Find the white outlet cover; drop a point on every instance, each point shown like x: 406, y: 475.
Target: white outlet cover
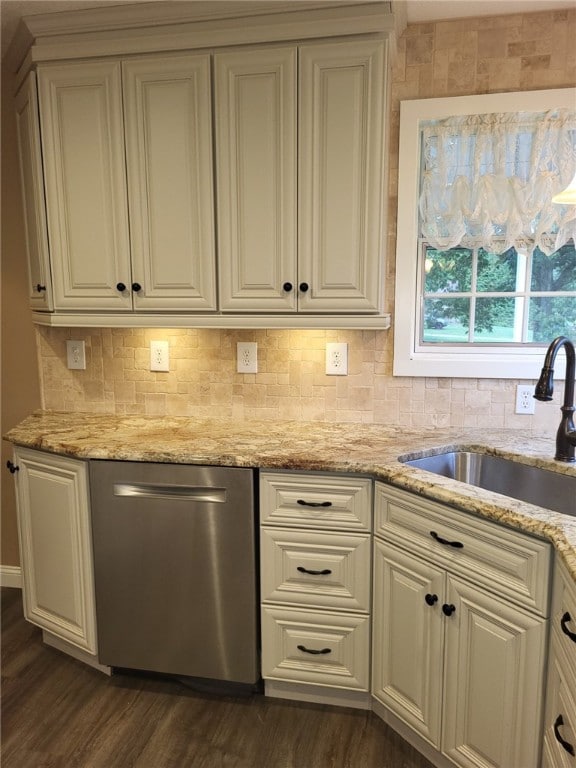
x: 336, y: 358
x: 525, y: 402
x: 159, y: 356
x: 76, y: 355
x: 247, y: 357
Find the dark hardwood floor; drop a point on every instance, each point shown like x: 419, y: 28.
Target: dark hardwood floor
x: 58, y: 713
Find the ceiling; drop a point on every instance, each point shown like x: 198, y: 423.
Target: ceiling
x: 11, y: 11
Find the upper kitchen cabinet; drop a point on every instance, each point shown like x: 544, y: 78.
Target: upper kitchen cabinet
x: 145, y: 242
x: 85, y: 181
x: 301, y: 230
x: 30, y: 157
x: 256, y: 178
x: 168, y: 113
x: 207, y: 164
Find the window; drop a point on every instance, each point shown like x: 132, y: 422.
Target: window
x: 486, y: 264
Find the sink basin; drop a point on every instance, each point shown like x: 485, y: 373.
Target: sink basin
x: 495, y: 473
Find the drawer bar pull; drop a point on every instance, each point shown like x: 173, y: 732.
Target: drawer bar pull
x: 563, y: 621
x: 445, y: 542
x: 325, y: 572
x: 304, y: 503
x: 312, y: 650
x: 566, y: 744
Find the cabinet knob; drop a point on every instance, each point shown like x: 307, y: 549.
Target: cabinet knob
x: 558, y: 723
x: 12, y: 467
x: 287, y: 287
x: 121, y: 287
x: 431, y: 599
x: 136, y: 287
x: 40, y: 288
x: 448, y: 610
x: 304, y: 287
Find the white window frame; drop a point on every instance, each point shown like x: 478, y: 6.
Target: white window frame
x: 518, y: 362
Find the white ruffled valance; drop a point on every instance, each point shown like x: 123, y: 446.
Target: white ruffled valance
x: 488, y: 181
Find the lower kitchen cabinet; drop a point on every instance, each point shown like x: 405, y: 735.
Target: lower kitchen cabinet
x: 55, y: 546
x: 560, y: 715
x: 456, y: 663
x: 315, y: 583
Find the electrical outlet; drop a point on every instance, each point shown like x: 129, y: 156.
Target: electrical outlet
x: 76, y: 355
x: 159, y: 356
x: 525, y: 403
x: 337, y: 359
x: 247, y: 357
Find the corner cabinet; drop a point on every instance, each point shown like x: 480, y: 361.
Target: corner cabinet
x: 460, y: 632
x: 52, y: 497
x: 299, y: 150
x: 140, y: 238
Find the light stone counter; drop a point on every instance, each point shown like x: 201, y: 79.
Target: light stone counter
x: 371, y: 449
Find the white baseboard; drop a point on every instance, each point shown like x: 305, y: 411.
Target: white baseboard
x: 10, y: 576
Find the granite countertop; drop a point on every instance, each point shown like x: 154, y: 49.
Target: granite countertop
x: 371, y: 449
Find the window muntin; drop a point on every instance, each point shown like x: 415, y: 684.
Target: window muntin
x: 479, y: 297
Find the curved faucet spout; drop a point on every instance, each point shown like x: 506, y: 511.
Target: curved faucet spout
x: 566, y: 435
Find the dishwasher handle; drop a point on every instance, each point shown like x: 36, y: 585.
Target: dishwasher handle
x: 169, y: 491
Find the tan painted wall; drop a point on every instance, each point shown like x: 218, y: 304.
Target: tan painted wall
x: 518, y: 52
x: 20, y: 387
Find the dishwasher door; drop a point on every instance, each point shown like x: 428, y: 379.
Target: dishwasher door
x: 175, y: 569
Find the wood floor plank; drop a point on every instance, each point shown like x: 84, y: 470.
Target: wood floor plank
x: 58, y: 713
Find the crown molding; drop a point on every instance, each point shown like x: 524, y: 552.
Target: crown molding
x: 172, y: 26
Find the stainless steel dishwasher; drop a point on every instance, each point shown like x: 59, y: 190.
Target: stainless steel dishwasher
x: 175, y: 569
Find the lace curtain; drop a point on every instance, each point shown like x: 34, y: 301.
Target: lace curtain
x: 488, y: 180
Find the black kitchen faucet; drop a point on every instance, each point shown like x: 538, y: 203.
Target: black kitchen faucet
x: 566, y: 435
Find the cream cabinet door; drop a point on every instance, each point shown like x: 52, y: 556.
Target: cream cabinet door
x: 32, y: 180
x: 407, y: 640
x: 169, y: 159
x: 55, y: 546
x: 85, y: 178
x: 256, y: 171
x: 494, y: 683
x: 341, y: 205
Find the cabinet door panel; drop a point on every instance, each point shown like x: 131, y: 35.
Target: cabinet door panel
x: 493, y: 681
x: 56, y: 550
x: 407, y: 639
x: 342, y: 98
x: 256, y: 167
x: 169, y: 158
x: 83, y: 150
x: 32, y: 179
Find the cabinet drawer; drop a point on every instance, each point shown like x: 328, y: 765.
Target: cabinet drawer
x: 512, y: 564
x: 316, y: 569
x: 305, y: 500
x: 316, y: 648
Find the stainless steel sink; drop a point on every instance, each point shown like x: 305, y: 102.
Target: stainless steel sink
x: 547, y: 489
